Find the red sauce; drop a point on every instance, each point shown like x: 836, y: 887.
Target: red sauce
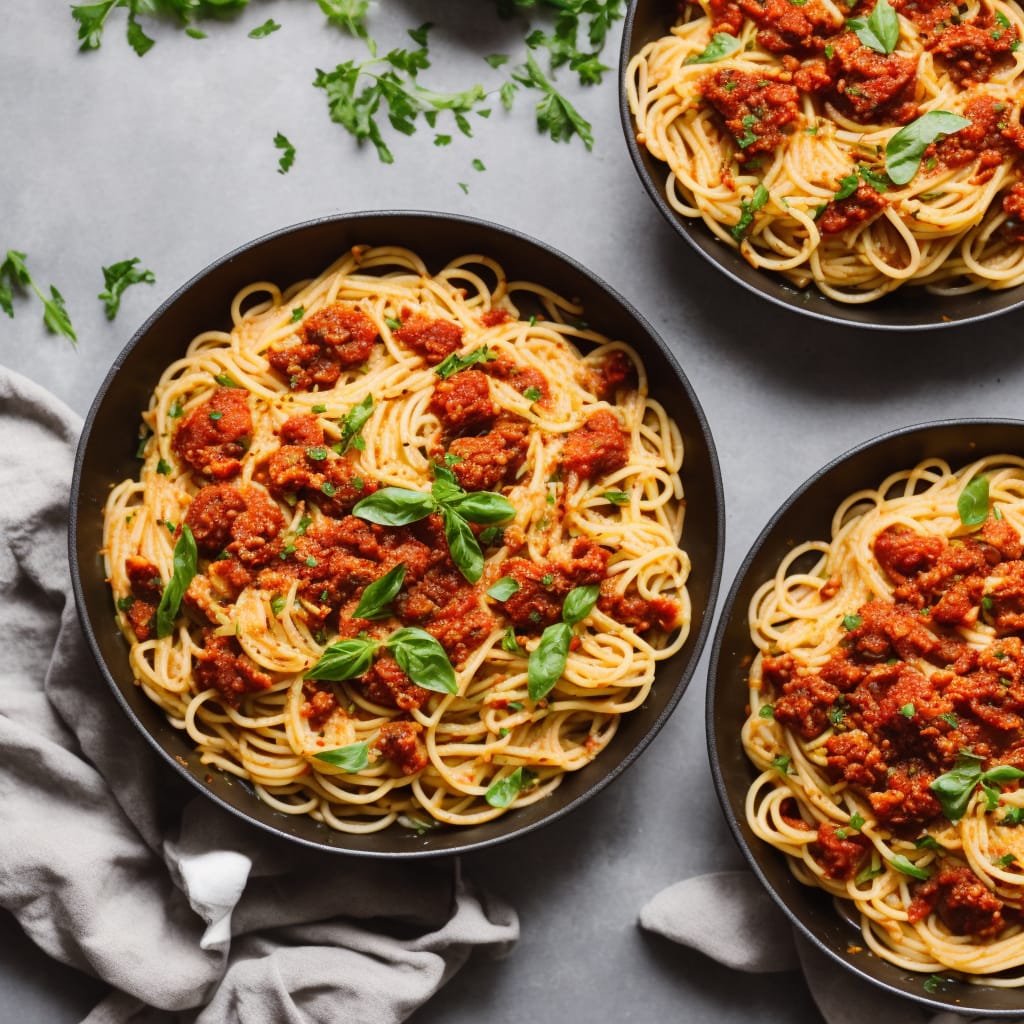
x: 488, y: 462
x: 221, y: 664
x: 839, y: 851
x: 463, y: 403
x: 522, y: 378
x: 318, y: 475
x: 872, y: 87
x: 962, y: 901
x: 992, y: 137
x: 387, y: 684
x: 241, y: 521
x: 214, y: 436
x: 786, y: 27
x: 596, y: 448
x: 400, y: 743
x: 839, y: 215
x: 616, y: 373
x: 338, y: 337
x: 431, y: 338
x: 146, y: 590
x: 755, y: 108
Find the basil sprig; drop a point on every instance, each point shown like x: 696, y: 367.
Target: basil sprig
x: 904, y: 150
x: 973, y: 502
x: 453, y: 363
x: 722, y: 45
x: 880, y: 31
x: 379, y: 594
x: 186, y: 565
x: 351, y: 758
x: 954, y: 789
x: 505, y: 790
x: 547, y: 659
x: 418, y: 654
x: 503, y: 589
x: 397, y: 506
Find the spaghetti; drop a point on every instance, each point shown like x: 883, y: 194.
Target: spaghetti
x: 886, y: 714
x: 397, y: 553
x: 857, y: 148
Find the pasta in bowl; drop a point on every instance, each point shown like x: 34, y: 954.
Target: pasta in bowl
x: 406, y: 544
x: 882, y: 813
x: 833, y: 158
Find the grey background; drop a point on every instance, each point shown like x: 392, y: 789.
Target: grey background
x: 106, y: 156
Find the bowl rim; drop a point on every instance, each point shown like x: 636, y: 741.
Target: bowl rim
x: 369, y: 217
x: 727, y: 613
x: 769, y: 286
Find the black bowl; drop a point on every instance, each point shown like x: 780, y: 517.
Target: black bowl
x: 906, y: 309
x: 807, y: 515
x: 106, y: 455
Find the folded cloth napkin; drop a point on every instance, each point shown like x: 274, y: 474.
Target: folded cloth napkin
x: 113, y: 865
x: 729, y: 917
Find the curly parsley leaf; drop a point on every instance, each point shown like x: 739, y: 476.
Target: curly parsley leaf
x: 116, y: 278
x: 287, y: 153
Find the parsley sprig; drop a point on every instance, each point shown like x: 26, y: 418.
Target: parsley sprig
x: 14, y: 274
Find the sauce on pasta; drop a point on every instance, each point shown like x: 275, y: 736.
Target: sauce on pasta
x: 857, y: 147
x: 887, y: 716
x: 396, y: 552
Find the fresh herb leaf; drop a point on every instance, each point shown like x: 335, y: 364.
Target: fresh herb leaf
x: 373, y: 604
x: 908, y: 867
x: 1013, y: 817
x: 936, y: 983
x: 555, y: 114
x: 972, y: 505
x: 510, y: 643
x: 747, y: 210
x: 955, y: 788
x: 781, y: 764
x: 908, y: 711
x: 532, y: 394
x: 277, y: 603
x: 483, y: 507
x: 116, y: 278
x: 14, y: 273
x: 352, y: 425
x: 856, y: 821
x: 496, y: 60
x: 880, y: 31
x: 344, y: 659
x: 503, y: 589
x: 847, y: 186
x: 851, y: 622
x: 505, y: 790
x: 767, y: 711
x: 395, y: 506
x: 284, y: 165
x: 928, y: 843
x: 547, y: 660
x: 262, y: 31
x: 904, y: 150
x: 351, y: 758
x: 616, y: 497
x: 186, y: 565
x: 722, y: 45
x: 950, y: 719
x: 422, y: 659
x: 462, y: 544
x: 579, y: 603
x: 453, y: 363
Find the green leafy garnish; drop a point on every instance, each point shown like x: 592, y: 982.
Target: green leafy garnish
x: 116, y: 278
x: 936, y: 983
x: 186, y: 565
x: 262, y: 31
x: 955, y: 788
x: 373, y: 604
x: 352, y: 425
x: 510, y: 643
x: 973, y: 502
x: 904, y: 150
x: 781, y: 764
x: 547, y: 660
x: 285, y: 163
x: 616, y: 497
x: 722, y: 45
x: 555, y: 114
x: 856, y: 821
x: 418, y: 654
x: 14, y: 273
x: 766, y: 711
x: 503, y: 589
x: 908, y: 867
x: 880, y: 31
x: 908, y: 711
x: 747, y: 210
x: 1013, y: 817
x: 453, y: 363
x: 852, y: 622
x: 351, y: 758
x: 505, y: 790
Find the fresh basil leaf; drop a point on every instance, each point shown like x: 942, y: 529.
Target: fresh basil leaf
x: 505, y: 790
x: 616, y: 497
x: 510, y: 643
x: 186, y: 565
x: 463, y: 545
x: 579, y: 603
x: 847, y: 186
x: 904, y: 150
x: 445, y: 487
x: 722, y: 45
x: 901, y: 863
x: 422, y: 659
x: 928, y: 843
x: 354, y: 423
x: 1013, y: 817
x: 953, y: 789
x: 747, y: 211
x: 880, y: 31
x: 879, y: 182
x: 373, y: 604
x: 1002, y: 773
x: 352, y: 758
x: 547, y: 660
x: 973, y: 502
x: 344, y: 659
x: 503, y: 589
x: 395, y: 506
x: 453, y: 363
x: 484, y: 507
